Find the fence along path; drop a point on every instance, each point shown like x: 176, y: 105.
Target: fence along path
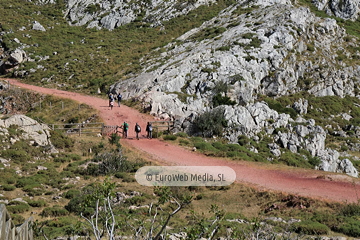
x: 8, y: 230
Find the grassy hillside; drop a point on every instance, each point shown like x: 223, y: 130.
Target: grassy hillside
x: 57, y: 195
x: 87, y: 59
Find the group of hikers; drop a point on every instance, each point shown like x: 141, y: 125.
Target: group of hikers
x: 149, y: 129
x: 112, y: 99
x: 125, y: 125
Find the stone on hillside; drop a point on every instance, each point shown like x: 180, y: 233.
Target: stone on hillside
x: 301, y: 106
x: 37, y: 26
x: 17, y: 57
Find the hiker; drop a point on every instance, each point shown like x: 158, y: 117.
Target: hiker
x: 119, y: 97
x: 111, y: 104
x: 137, y: 130
x: 111, y: 99
x: 149, y: 130
x: 126, y: 128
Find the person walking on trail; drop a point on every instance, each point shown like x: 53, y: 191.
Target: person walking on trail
x: 119, y: 97
x: 149, y: 130
x: 111, y: 104
x: 137, y: 130
x: 111, y: 100
x: 126, y: 128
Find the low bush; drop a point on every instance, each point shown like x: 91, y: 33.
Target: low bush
x: 351, y: 209
x: 170, y: 137
x: 137, y: 200
x: 184, y: 142
x: 38, y: 203
x: 54, y: 212
x: 220, y: 146
x: 61, y: 141
x: 181, y: 134
x: 126, y: 177
x: 7, y: 187
x: 350, y: 227
x: 71, y: 193
x: 210, y: 123
x: 196, y: 139
x: 17, y: 207
x: 204, y: 146
x: 311, y: 228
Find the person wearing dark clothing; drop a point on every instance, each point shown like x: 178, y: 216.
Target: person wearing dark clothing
x: 119, y: 97
x: 137, y: 130
x: 149, y: 130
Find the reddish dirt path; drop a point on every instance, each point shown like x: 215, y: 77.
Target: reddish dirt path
x: 304, y: 182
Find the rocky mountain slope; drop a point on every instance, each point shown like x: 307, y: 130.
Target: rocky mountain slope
x: 269, y: 50
x: 262, y: 64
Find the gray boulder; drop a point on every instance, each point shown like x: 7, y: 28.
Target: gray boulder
x: 38, y: 27
x: 39, y: 134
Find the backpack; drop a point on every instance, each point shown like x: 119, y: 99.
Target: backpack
x: 119, y: 97
x: 150, y: 128
x: 138, y: 129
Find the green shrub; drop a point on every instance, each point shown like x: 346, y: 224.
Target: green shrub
x: 220, y: 146
x: 181, y: 134
x: 61, y: 141
x: 126, y: 177
x: 236, y: 147
x: 137, y: 200
x: 204, y: 146
x: 311, y: 228
x: 210, y: 123
x: 71, y: 193
x: 350, y: 227
x: 196, y: 139
x: 16, y: 155
x: 17, y: 219
x: 7, y: 187
x: 243, y: 140
x: 114, y: 139
x: 219, y: 100
x: 111, y: 162
x: 351, y: 209
x: 17, y: 207
x: 184, y: 142
x: 223, y: 48
x: 54, y: 212
x: 38, y: 203
x: 170, y: 137
x: 157, y: 134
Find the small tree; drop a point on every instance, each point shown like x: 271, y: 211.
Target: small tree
x: 210, y: 122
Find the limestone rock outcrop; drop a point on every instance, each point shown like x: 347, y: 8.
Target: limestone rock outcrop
x: 38, y: 134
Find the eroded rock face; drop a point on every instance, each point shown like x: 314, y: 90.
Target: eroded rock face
x: 252, y: 55
x: 347, y: 9
x: 261, y: 58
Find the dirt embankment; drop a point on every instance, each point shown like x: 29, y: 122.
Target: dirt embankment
x: 303, y: 182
